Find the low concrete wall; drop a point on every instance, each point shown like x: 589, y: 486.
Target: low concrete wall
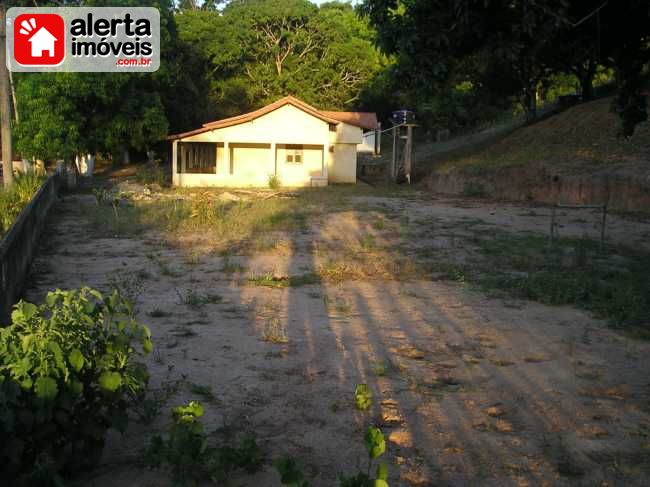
x: 19, y: 245
x: 619, y: 191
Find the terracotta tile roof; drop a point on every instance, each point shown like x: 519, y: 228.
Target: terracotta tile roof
x: 359, y: 119
x: 365, y: 120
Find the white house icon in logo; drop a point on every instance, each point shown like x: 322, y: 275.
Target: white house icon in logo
x: 41, y: 41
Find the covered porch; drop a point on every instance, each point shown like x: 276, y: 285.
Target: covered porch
x: 242, y: 164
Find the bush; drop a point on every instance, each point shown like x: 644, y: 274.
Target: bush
x: 150, y: 173
x: 68, y: 372
x: 191, y: 460
x: 274, y: 182
x: 13, y: 200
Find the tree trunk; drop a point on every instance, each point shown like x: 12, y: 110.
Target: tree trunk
x: 587, y: 88
x: 126, y: 159
x: 5, y: 106
x: 530, y: 102
x: 587, y: 82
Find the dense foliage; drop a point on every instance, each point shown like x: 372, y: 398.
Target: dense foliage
x: 69, y: 370
x: 14, y: 198
x: 457, y: 63
x: 511, y: 49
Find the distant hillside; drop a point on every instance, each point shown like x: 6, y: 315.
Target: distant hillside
x: 571, y: 157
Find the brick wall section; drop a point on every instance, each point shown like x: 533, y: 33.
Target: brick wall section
x: 18, y: 246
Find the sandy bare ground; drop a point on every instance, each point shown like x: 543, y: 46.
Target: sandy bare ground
x: 469, y: 389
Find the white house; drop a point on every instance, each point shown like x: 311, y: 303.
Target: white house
x: 42, y: 41
x: 289, y: 140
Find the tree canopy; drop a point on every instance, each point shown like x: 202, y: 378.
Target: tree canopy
x: 518, y: 45
x: 456, y: 62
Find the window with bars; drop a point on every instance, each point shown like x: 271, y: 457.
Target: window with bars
x: 294, y: 154
x: 198, y: 157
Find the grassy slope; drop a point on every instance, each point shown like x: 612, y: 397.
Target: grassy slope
x: 581, y: 139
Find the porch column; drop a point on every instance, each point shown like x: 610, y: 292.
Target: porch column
x: 175, y: 162
x: 216, y: 158
x: 226, y: 157
x: 326, y: 155
x: 273, y: 159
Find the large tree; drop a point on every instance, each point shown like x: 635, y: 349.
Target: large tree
x: 525, y: 40
x: 259, y: 50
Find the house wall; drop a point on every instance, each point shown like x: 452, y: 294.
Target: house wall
x: 343, y: 166
x: 252, y: 163
x: 287, y: 125
x: 299, y: 174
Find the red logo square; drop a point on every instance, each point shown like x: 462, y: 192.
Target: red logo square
x: 39, y: 39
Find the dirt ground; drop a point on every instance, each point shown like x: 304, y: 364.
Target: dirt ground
x: 469, y: 389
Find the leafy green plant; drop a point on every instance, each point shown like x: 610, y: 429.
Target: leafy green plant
x: 69, y: 371
x: 290, y: 473
x: 374, y: 441
x: 189, y: 457
x: 375, y: 446
x: 363, y: 397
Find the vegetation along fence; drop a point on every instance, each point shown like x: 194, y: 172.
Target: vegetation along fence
x: 18, y: 246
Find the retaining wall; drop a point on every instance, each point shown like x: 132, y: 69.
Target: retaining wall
x: 18, y: 246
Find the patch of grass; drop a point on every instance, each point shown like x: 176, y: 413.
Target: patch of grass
x: 158, y: 313
x: 380, y: 368
x: 194, y: 299
x: 274, y: 332
x: 129, y: 285
x: 202, y: 390
x: 270, y: 280
x: 13, y: 199
x: 231, y: 267
x: 612, y: 282
x: 379, y: 224
x: 367, y: 241
x: 150, y: 173
x: 500, y: 362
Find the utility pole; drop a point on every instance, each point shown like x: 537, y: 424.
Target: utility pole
x: 5, y: 104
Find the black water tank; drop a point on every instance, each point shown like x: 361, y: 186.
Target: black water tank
x: 403, y: 116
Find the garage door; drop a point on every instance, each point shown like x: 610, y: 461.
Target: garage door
x: 251, y: 162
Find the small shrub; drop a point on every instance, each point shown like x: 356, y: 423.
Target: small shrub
x: 274, y: 182
x: 374, y: 441
x: 129, y: 285
x: 158, y: 313
x: 202, y: 390
x: 290, y: 473
x: 379, y: 224
x: 193, y: 299
x: 150, y: 173
x: 13, y: 200
x: 102, y: 196
x: 270, y: 280
x: 69, y: 370
x: 188, y: 456
x: 367, y: 241
x: 231, y: 267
